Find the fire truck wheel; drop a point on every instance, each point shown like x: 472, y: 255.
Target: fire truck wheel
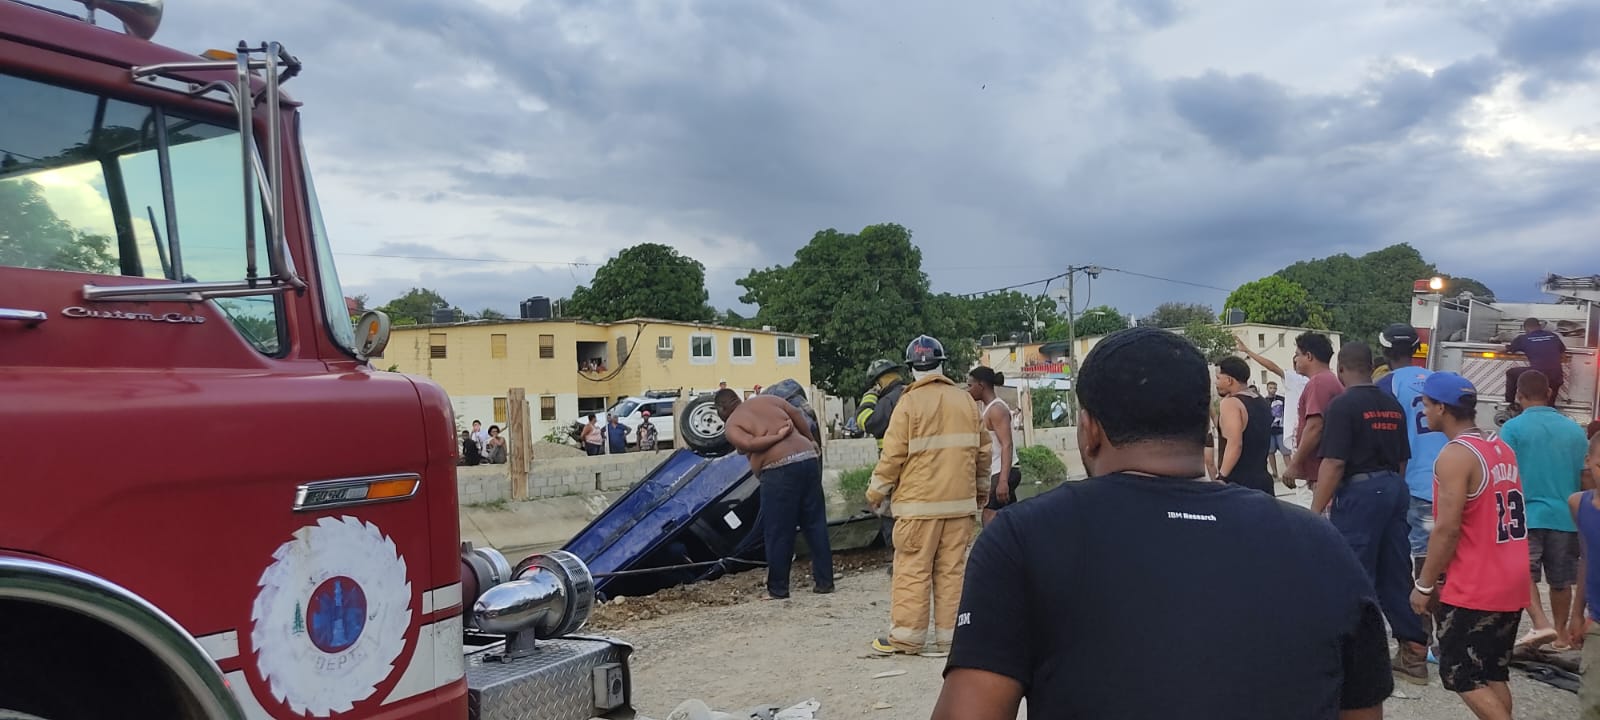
x: 701, y: 427
x: 41, y: 648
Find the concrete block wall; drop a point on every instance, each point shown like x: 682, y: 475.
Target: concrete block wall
x: 850, y: 454
x: 557, y: 477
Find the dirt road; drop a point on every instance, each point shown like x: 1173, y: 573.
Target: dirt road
x: 721, y: 644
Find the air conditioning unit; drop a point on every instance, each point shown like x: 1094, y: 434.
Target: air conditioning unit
x: 664, y: 346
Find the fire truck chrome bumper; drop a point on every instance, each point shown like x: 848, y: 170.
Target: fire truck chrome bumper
x: 569, y: 678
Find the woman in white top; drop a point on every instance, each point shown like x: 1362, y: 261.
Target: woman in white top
x: 1004, y: 475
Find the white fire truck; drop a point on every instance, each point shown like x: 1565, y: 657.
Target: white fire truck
x: 1465, y: 335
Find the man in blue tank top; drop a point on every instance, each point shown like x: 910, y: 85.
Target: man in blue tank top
x: 1585, y: 508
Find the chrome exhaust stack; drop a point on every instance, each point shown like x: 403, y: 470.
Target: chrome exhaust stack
x: 549, y: 596
x: 140, y: 18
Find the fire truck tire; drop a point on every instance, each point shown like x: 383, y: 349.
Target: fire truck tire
x: 49, y: 654
x: 701, y: 427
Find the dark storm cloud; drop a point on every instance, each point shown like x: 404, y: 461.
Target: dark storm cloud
x: 1555, y: 44
x: 1011, y: 140
x: 1253, y: 117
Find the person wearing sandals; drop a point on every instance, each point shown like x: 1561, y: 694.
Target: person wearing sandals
x: 1550, y: 451
x: 1004, y: 475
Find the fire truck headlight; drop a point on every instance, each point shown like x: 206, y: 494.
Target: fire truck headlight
x: 551, y: 595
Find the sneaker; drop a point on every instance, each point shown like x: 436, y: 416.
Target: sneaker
x: 823, y: 589
x: 1411, y: 663
x: 881, y: 646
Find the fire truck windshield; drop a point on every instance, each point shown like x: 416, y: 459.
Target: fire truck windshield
x: 81, y: 190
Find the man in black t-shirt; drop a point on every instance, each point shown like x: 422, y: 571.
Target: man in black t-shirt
x: 1255, y: 609
x: 1364, y: 454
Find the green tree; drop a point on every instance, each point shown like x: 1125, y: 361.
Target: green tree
x: 1363, y: 294
x: 32, y: 235
x: 1273, y: 300
x: 1214, y: 341
x: 1002, y: 313
x: 864, y: 296
x: 1098, y: 320
x: 415, y: 307
x: 490, y: 314
x: 1177, y: 315
x: 1454, y: 286
x: 648, y: 280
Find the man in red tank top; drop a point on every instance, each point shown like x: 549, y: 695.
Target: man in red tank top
x: 1473, y: 579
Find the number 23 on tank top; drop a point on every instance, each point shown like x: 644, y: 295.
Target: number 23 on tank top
x: 1510, y: 506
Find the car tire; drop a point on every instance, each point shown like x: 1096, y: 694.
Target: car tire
x: 701, y: 427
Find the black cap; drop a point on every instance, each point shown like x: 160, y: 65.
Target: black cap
x: 1398, y: 335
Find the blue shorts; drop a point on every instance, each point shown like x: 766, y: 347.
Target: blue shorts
x: 1419, y: 517
x: 1277, y: 448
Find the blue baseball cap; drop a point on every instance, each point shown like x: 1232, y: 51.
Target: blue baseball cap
x: 1448, y: 388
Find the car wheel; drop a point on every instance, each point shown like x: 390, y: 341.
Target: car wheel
x: 701, y: 427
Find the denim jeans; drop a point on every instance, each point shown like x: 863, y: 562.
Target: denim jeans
x: 1370, y: 510
x: 1419, y: 520
x: 791, y: 497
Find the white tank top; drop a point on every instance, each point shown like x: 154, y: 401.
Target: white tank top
x: 994, y: 442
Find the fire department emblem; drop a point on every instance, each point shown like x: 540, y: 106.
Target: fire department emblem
x: 331, y: 616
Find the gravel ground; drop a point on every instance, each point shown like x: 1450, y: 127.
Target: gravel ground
x: 720, y: 643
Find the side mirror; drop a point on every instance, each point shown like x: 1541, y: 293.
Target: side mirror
x: 372, y: 333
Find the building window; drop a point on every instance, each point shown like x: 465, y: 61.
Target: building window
x: 788, y: 349
x: 1261, y: 340
x: 547, y: 407
x: 664, y: 342
x: 547, y: 347
x: 436, y: 345
x: 1280, y: 339
x: 497, y: 345
x: 702, y: 349
x: 500, y: 410
x: 744, y: 349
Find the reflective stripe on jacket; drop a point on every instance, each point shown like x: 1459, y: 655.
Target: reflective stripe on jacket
x: 935, y: 459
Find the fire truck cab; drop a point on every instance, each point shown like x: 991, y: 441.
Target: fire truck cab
x: 211, y: 505
x: 1468, y: 336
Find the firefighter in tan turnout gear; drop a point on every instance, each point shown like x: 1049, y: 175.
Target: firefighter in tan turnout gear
x: 935, y: 462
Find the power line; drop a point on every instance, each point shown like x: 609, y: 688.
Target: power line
x: 1165, y: 279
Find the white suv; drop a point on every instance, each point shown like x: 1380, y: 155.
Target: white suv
x: 630, y: 413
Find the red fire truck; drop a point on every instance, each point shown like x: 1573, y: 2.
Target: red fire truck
x: 211, y: 505
x: 1463, y: 334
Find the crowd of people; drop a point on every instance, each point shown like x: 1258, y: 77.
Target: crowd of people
x: 1423, y: 527
x: 480, y: 447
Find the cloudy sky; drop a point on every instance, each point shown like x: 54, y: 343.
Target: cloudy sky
x: 497, y: 149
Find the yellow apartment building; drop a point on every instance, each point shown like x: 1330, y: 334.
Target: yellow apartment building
x: 570, y: 368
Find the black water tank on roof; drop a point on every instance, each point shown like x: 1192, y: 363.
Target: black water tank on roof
x: 536, y: 308
x: 443, y: 315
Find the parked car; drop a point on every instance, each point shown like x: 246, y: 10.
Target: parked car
x: 630, y: 412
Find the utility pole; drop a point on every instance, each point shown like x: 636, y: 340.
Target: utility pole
x: 1092, y: 271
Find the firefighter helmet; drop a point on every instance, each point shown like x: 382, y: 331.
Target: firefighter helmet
x: 879, y: 368
x: 924, y: 353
